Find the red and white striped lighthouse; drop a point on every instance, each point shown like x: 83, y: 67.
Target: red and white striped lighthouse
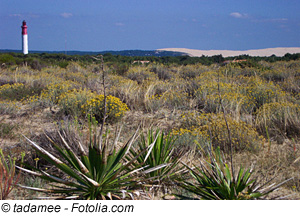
x: 24, y: 38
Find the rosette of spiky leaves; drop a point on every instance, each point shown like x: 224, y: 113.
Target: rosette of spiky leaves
x: 99, y: 173
x: 214, y: 181
x: 158, y: 150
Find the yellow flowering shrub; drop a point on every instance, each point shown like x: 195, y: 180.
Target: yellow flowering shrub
x: 10, y: 91
x: 212, y: 128
x: 279, y: 119
x: 30, y: 77
x: 83, y: 102
x: 50, y: 95
x: 17, y: 91
x: 72, y: 101
x: 259, y: 92
x: 208, y: 96
x: 239, y: 94
x: 291, y: 85
x: 279, y: 71
x: 115, y: 108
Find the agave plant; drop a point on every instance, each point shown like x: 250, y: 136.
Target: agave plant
x: 158, y: 151
x: 214, y: 180
x: 99, y: 173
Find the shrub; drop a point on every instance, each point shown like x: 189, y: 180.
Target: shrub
x: 84, y: 102
x: 212, y: 128
x: 165, y: 95
x: 115, y: 109
x: 140, y: 74
x: 120, y: 68
x: 36, y: 64
x: 76, y: 77
x: 72, y: 102
x: 7, y: 59
x: 192, y: 71
x: 128, y: 91
x: 162, y: 72
x: 8, y: 107
x: 50, y: 95
x: 291, y: 85
x: 281, y: 119
x: 74, y: 67
x: 259, y: 92
x: 17, y: 91
x: 275, y: 75
x: 63, y: 64
x: 208, y: 98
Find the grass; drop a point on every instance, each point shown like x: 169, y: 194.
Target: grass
x: 282, y: 119
x: 7, y: 130
x: 8, y: 176
x: 181, y: 100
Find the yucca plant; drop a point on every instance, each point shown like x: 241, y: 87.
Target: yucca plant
x: 99, y: 173
x: 214, y: 180
x: 158, y: 151
x: 8, y: 177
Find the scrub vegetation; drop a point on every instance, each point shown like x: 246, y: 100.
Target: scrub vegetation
x: 174, y: 128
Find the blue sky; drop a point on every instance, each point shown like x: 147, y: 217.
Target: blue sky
x: 97, y: 25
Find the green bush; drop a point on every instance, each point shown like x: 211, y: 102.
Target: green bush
x: 63, y: 64
x: 7, y: 59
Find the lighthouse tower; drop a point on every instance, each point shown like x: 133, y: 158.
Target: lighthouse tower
x: 24, y: 38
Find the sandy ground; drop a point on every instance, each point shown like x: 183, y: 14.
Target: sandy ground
x: 280, y: 51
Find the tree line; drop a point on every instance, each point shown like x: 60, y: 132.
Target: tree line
x: 40, y: 60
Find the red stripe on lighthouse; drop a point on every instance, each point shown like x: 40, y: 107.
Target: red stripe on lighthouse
x: 24, y: 28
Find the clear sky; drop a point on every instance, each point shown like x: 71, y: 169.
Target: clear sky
x: 97, y: 25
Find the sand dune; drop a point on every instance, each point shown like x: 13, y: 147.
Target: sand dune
x: 280, y: 51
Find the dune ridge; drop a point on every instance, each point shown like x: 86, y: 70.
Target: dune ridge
x: 279, y: 51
